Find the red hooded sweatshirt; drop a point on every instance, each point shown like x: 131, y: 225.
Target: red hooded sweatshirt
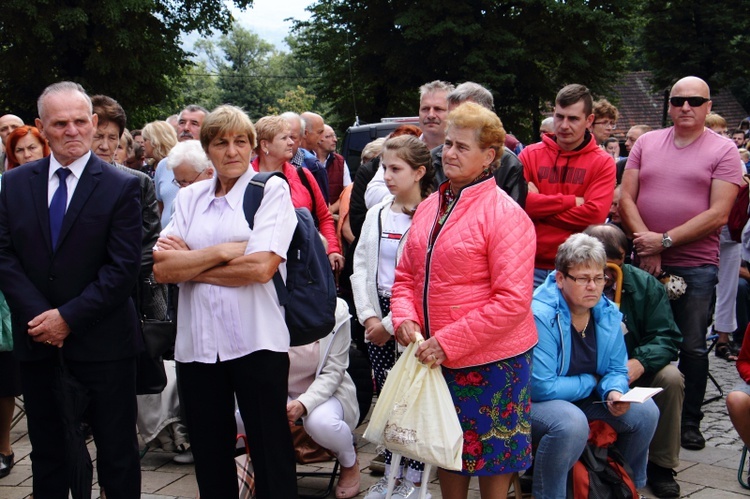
x: 561, y: 176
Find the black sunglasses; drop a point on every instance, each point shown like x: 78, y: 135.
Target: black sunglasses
x: 692, y: 101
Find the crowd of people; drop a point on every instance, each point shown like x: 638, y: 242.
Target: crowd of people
x: 546, y: 280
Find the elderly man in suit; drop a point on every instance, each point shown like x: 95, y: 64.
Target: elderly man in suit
x: 70, y: 234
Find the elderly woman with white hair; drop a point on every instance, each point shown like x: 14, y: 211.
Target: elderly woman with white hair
x: 189, y: 163
x: 580, y: 370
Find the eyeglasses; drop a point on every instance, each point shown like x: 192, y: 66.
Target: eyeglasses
x: 185, y: 183
x: 694, y: 101
x: 606, y: 124
x: 599, y: 280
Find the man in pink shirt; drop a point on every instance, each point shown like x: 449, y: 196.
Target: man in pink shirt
x: 677, y: 189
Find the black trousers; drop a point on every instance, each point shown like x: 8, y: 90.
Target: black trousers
x: 259, y: 381
x: 111, y: 414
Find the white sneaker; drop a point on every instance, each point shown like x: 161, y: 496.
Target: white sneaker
x: 407, y: 489
x: 378, y: 491
x: 185, y: 457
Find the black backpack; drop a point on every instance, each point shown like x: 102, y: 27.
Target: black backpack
x: 309, y: 295
x: 601, y: 472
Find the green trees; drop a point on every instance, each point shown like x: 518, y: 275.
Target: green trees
x: 128, y: 49
x: 375, y: 53
x: 692, y: 37
x: 254, y: 75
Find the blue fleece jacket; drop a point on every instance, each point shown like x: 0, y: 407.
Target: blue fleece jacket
x: 552, y: 354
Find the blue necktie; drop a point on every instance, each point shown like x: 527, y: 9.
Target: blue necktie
x: 58, y: 205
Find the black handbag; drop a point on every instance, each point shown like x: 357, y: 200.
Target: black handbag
x: 158, y: 339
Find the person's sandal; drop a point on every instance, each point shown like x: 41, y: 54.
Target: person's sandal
x: 724, y: 352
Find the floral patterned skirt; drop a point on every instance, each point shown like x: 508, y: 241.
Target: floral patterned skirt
x: 493, y: 402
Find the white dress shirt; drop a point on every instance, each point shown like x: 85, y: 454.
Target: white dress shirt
x: 222, y: 322
x: 76, y: 169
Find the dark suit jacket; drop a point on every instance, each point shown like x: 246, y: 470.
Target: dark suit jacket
x: 89, y: 277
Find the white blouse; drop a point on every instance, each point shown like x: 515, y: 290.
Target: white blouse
x: 221, y: 322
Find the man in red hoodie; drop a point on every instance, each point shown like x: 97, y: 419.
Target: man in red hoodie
x: 571, y: 179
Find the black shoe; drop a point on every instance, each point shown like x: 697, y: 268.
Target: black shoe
x: 692, y: 438
x: 6, y: 463
x: 661, y: 480
x: 724, y: 351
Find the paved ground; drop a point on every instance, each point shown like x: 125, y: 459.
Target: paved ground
x: 707, y: 474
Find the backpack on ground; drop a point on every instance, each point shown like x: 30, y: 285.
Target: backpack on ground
x: 601, y: 472
x: 309, y: 295
x: 738, y: 215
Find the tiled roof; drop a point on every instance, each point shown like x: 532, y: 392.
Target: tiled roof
x: 638, y: 104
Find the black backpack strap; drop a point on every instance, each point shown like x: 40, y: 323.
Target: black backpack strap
x: 250, y: 204
x: 306, y: 183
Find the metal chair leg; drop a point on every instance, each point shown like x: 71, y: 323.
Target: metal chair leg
x: 329, y: 488
x: 19, y: 413
x: 713, y: 338
x: 741, y: 470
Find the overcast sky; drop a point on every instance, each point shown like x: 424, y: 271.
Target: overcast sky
x: 266, y: 18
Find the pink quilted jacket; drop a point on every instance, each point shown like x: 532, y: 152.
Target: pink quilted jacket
x: 473, y: 290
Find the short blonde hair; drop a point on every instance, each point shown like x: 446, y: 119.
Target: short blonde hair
x: 162, y: 137
x: 714, y: 120
x: 486, y: 125
x: 269, y: 127
x: 372, y: 149
x: 223, y: 120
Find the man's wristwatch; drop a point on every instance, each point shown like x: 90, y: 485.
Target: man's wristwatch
x: 666, y: 241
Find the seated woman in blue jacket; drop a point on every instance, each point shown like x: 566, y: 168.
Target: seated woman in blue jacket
x: 581, y: 359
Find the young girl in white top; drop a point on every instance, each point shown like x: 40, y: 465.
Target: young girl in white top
x: 409, y: 176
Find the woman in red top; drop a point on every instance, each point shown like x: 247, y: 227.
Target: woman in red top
x: 738, y: 400
x: 274, y: 150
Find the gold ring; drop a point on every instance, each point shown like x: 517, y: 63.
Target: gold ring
x: 48, y: 342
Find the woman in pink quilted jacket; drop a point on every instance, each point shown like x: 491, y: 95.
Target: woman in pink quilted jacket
x: 465, y: 282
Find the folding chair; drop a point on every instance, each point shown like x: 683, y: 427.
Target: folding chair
x: 741, y: 470
x: 713, y: 338
x: 18, y: 413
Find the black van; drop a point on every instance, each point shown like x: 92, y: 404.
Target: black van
x: 357, y: 137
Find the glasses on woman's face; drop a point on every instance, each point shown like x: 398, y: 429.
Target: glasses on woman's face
x: 185, y: 183
x: 598, y: 280
x: 607, y: 124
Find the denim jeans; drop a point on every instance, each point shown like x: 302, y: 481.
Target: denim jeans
x: 560, y: 429
x: 691, y: 313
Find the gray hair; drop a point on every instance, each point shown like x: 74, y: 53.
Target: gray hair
x: 474, y: 92
x: 580, y: 249
x: 289, y: 115
x: 190, y: 152
x: 192, y: 108
x: 612, y: 237
x: 547, y: 124
x: 61, y: 87
x: 435, y: 86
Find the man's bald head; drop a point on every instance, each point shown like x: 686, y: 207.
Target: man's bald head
x: 689, y: 118
x: 8, y: 123
x: 692, y: 82
x: 313, y: 130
